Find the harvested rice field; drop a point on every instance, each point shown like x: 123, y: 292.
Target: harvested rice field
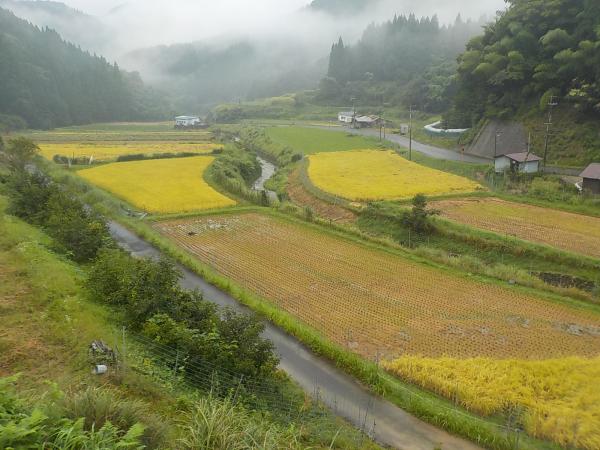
x: 377, y: 302
x: 564, y: 230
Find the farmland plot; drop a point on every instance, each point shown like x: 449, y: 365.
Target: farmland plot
x: 375, y: 302
x: 160, y: 185
x: 315, y: 140
x: 102, y: 151
x: 363, y: 175
x: 560, y: 399
x: 567, y: 231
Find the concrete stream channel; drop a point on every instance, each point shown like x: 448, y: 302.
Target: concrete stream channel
x: 380, y: 419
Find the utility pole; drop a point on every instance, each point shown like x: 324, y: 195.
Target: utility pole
x: 353, y: 112
x: 497, y: 134
x: 410, y: 133
x: 551, y: 104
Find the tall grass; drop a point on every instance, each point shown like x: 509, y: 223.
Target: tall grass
x: 220, y: 424
x: 98, y: 406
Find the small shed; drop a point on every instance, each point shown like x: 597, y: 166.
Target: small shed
x: 367, y: 121
x: 591, y: 179
x: 523, y: 162
x: 346, y: 117
x: 186, y: 121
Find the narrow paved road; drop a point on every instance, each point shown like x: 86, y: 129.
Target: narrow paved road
x: 388, y: 424
x: 429, y: 150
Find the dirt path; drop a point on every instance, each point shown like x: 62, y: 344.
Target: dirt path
x: 300, y: 196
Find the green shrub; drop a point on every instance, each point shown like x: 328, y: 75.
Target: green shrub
x: 149, y: 295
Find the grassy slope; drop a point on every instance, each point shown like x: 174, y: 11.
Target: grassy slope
x: 574, y: 141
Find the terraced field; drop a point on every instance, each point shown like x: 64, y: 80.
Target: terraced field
x: 364, y: 175
x: 557, y: 397
x: 101, y: 151
x: 566, y: 231
x: 375, y: 302
x: 160, y: 185
x: 302, y: 197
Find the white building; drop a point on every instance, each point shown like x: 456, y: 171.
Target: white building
x: 523, y: 162
x: 346, y: 117
x: 187, y: 121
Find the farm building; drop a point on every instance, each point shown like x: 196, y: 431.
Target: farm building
x: 591, y: 179
x: 188, y: 122
x: 523, y: 162
x: 346, y: 117
x: 356, y: 121
x: 366, y: 121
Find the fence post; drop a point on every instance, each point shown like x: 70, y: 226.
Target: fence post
x: 124, y: 350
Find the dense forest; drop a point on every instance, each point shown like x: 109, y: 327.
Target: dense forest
x: 404, y: 61
x: 535, y: 50
x: 47, y: 82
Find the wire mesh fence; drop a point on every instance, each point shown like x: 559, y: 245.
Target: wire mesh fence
x: 285, y: 405
x: 311, y: 409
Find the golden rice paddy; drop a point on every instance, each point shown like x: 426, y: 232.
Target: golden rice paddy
x: 554, y: 399
x: 102, y: 151
x: 363, y: 175
x: 160, y: 185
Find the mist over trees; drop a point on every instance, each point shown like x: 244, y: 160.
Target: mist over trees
x: 47, y: 82
x: 403, y: 61
x: 537, y: 49
x: 197, y: 75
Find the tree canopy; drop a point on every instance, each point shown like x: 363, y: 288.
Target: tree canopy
x: 49, y: 82
x: 405, y: 61
x: 535, y: 50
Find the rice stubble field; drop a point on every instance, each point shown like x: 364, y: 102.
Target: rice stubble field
x: 432, y: 327
x: 564, y: 230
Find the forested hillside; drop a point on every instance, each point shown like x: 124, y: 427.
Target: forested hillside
x: 47, y: 82
x: 404, y: 61
x: 73, y: 25
x: 537, y: 49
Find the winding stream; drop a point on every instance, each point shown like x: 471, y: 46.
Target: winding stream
x: 267, y: 171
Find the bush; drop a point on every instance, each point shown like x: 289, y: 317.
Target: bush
x: 78, y: 231
x: 148, y: 293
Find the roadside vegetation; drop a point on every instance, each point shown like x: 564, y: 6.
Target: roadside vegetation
x: 148, y: 398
